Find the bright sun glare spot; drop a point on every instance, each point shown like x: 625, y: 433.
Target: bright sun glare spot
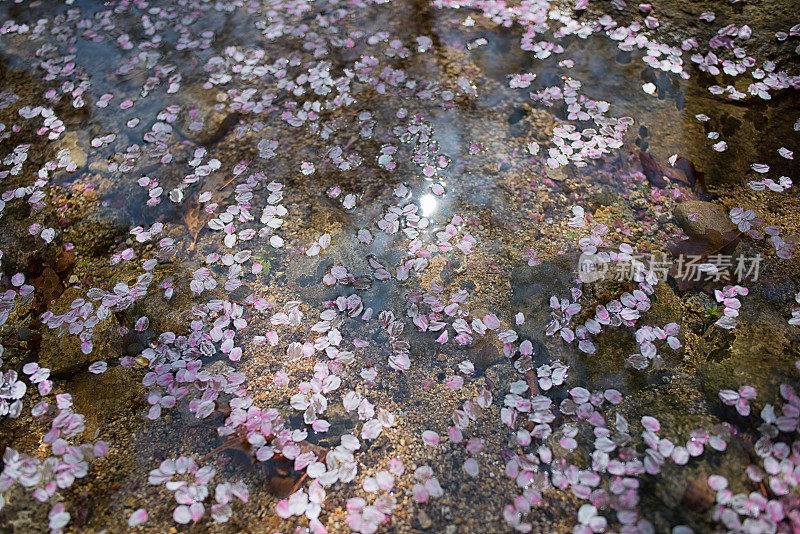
x: 427, y: 204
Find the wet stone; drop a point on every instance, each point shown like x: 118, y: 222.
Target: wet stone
x: 20, y: 248
x: 100, y: 229
x: 63, y: 353
x: 666, y: 307
x: 759, y: 352
x: 134, y: 349
x: 26, y: 334
x: 696, y: 217
x: 424, y: 520
x: 73, y: 142
x: 214, y: 119
x: 104, y: 397
x: 164, y: 315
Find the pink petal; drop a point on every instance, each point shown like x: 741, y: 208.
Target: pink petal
x: 137, y: 518
x: 717, y: 483
x: 651, y: 423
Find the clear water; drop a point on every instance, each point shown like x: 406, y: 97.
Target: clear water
x: 429, y: 193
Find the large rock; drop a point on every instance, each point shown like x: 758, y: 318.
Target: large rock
x: 99, y: 229
x: 217, y: 118
x: 92, y: 398
x: 72, y: 142
x: 173, y: 315
x: 761, y: 351
x: 20, y: 249
x: 63, y: 353
x: 697, y: 217
x: 753, y: 129
x: 666, y: 306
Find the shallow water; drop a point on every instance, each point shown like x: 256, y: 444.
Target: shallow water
x: 372, y: 313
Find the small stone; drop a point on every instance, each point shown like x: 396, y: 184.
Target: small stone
x: 424, y: 520
x: 697, y: 217
x: 25, y: 333
x: 70, y: 141
x: 557, y: 175
x: 698, y: 496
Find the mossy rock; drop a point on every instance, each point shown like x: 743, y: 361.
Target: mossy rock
x: 105, y: 397
x: 750, y: 128
x: 666, y: 306
x: 173, y: 315
x: 99, y: 229
x: 63, y: 354
x: 761, y: 351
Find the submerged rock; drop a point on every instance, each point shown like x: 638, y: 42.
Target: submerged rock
x: 72, y: 142
x: 697, y: 217
x: 666, y: 306
x: 761, y: 352
x: 486, y: 352
x: 749, y: 130
x: 92, y: 398
x: 210, y: 119
x: 63, y: 353
x: 99, y: 229
x: 164, y: 315
x: 21, y: 249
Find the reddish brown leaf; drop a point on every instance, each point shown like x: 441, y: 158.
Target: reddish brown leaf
x: 700, y: 248
x: 65, y: 259
x: 683, y: 172
x: 194, y: 220
x: 652, y: 170
x: 48, y: 287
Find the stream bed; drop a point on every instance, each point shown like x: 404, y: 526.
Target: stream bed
x: 459, y: 266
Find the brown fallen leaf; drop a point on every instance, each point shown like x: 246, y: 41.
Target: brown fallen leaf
x: 194, y: 216
x: 652, y: 170
x: 65, y: 259
x: 194, y: 219
x: 683, y: 172
x: 531, y: 380
x: 700, y: 248
x: 282, y: 478
x: 483, y: 355
x: 48, y: 287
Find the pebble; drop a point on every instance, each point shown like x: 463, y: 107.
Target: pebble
x: 25, y: 333
x: 424, y: 520
x: 706, y: 215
